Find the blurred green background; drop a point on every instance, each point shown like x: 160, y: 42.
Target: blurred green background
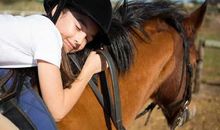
x: 22, y: 5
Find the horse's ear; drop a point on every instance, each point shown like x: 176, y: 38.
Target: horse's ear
x: 193, y: 22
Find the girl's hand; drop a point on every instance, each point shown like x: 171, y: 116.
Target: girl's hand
x: 95, y: 63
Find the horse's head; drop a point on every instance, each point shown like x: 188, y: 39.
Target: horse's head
x: 126, y: 22
x: 175, y: 108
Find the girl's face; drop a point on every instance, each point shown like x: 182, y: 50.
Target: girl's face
x: 76, y: 30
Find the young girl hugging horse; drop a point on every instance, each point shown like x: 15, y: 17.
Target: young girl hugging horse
x: 44, y: 42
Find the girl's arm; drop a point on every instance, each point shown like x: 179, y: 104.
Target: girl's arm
x: 60, y: 101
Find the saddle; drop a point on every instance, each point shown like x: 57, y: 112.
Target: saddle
x: 20, y: 103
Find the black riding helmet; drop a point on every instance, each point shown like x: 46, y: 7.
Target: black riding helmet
x: 100, y: 11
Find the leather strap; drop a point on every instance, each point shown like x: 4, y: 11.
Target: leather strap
x: 91, y: 82
x: 115, y: 107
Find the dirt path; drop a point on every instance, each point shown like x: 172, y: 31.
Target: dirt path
x: 206, y: 105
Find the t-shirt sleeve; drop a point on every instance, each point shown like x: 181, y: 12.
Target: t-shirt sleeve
x: 47, y: 42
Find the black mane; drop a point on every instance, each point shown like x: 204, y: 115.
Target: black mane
x: 131, y: 15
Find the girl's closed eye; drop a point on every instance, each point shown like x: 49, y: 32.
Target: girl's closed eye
x: 78, y: 26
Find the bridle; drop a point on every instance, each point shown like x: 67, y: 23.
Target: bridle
x: 183, y: 114
x: 187, y: 70
x: 110, y: 102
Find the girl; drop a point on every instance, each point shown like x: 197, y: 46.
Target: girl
x: 45, y: 41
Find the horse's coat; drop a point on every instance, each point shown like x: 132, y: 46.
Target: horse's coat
x: 156, y: 64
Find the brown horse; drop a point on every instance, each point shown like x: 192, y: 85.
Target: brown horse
x: 152, y: 46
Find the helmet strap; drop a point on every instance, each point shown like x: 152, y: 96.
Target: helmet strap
x: 58, y: 11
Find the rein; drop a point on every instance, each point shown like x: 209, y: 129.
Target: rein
x: 111, y: 105
x: 183, y: 113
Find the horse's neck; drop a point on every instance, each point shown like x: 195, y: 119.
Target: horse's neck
x: 152, y: 65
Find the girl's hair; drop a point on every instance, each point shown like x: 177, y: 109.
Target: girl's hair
x: 67, y: 73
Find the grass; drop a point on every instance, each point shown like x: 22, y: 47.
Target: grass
x: 211, y: 30
x: 211, y: 71
x: 21, y: 5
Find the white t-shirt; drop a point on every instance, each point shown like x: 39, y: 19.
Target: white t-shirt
x: 24, y: 40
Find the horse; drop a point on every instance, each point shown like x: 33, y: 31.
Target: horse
x: 152, y: 45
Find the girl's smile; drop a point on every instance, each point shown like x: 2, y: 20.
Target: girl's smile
x: 76, y: 30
